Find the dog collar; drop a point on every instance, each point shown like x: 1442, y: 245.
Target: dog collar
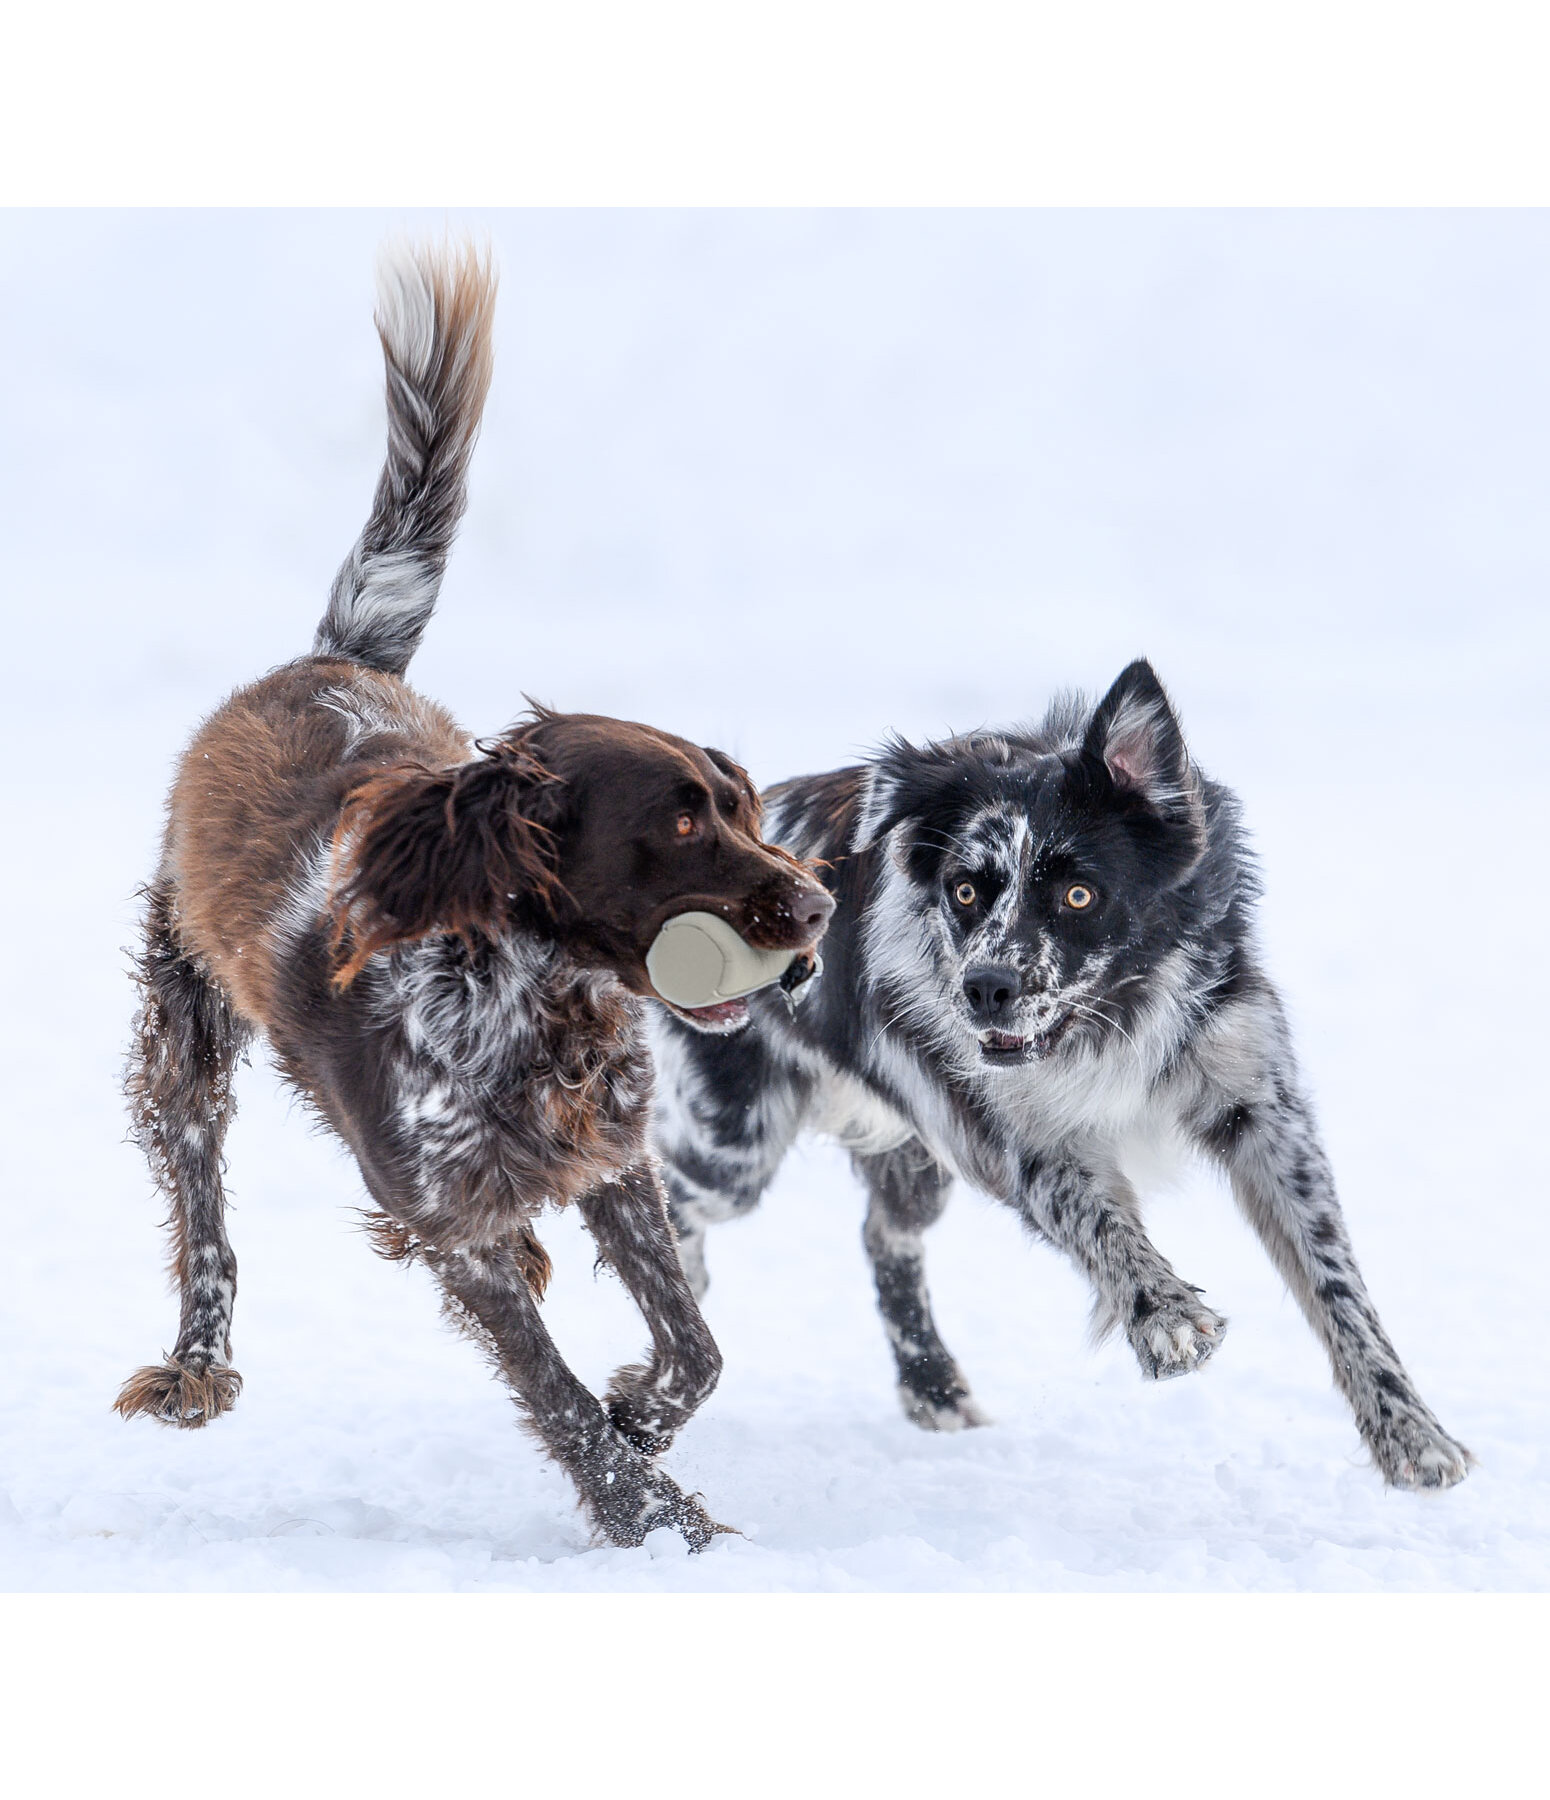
x: 698, y: 960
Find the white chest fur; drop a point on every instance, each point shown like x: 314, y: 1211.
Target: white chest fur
x: 853, y: 1116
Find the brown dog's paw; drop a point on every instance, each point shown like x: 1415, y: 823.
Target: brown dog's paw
x: 629, y: 1497
x: 183, y: 1394
x: 648, y: 1406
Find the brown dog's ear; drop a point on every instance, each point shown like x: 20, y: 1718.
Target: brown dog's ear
x: 740, y: 775
x: 460, y: 850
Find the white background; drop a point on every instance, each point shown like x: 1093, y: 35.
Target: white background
x: 783, y: 482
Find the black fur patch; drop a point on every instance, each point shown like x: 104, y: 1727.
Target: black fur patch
x: 1043, y: 944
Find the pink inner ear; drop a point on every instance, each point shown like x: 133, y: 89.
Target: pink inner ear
x: 1129, y: 763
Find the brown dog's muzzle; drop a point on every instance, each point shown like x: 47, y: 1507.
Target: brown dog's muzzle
x: 784, y: 914
x: 785, y: 909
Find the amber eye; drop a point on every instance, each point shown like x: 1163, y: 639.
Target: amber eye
x: 685, y: 824
x: 964, y: 893
x: 1079, y: 898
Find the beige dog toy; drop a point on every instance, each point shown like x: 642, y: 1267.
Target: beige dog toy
x: 699, y: 960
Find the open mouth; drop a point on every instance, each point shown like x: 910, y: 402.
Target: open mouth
x: 1006, y: 1047
x: 705, y: 969
x: 725, y: 1015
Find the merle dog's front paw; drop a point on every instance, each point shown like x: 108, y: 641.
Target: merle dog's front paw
x: 1413, y: 1451
x: 1172, y: 1334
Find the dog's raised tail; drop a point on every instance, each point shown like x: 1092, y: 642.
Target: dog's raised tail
x: 435, y: 310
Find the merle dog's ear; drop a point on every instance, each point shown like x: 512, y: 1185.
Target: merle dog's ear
x: 463, y: 850
x: 882, y: 801
x: 1135, y: 735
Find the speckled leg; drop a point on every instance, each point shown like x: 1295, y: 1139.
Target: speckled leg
x: 622, y: 1490
x: 1090, y: 1212
x: 906, y: 1192
x: 186, y: 1048
x: 650, y: 1402
x: 1281, y: 1178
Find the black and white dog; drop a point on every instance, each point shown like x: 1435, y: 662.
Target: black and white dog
x: 1044, y: 948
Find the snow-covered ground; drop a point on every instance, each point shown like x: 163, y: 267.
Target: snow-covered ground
x: 782, y: 483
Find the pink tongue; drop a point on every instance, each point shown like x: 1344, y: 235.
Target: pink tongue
x: 724, y: 1009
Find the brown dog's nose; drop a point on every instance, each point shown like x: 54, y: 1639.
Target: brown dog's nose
x: 811, y: 908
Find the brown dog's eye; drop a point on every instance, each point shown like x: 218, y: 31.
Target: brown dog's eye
x: 685, y: 824
x: 964, y: 893
x: 1079, y: 898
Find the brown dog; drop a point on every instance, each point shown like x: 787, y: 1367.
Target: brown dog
x: 444, y: 943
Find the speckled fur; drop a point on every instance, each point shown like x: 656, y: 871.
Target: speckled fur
x: 443, y: 943
x: 1026, y: 1045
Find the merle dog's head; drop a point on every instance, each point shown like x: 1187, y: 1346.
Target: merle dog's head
x: 591, y: 831
x: 1046, y: 873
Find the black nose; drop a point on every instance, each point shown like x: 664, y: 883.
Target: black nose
x: 991, y: 991
x: 811, y: 908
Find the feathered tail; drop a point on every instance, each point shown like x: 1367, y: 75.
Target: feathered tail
x: 435, y: 308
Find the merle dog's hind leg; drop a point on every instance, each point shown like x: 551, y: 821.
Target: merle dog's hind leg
x: 726, y: 1114
x: 187, y: 1042
x: 623, y: 1491
x: 1282, y: 1182
x: 688, y: 1220
x: 628, y: 1221
x: 906, y: 1191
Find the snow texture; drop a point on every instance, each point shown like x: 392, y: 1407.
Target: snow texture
x: 783, y: 482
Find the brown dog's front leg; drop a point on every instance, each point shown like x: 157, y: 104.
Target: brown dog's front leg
x: 625, y: 1493
x: 650, y: 1402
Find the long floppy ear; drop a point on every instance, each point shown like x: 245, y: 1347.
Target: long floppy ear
x: 1135, y: 735
x: 463, y: 850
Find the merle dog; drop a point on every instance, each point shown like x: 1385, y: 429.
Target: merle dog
x: 1044, y: 946
x: 444, y: 944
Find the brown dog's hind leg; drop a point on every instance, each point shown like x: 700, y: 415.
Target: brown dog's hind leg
x: 180, y: 1392
x: 186, y: 1047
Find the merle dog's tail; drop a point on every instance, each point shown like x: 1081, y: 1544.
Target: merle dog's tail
x: 435, y: 309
